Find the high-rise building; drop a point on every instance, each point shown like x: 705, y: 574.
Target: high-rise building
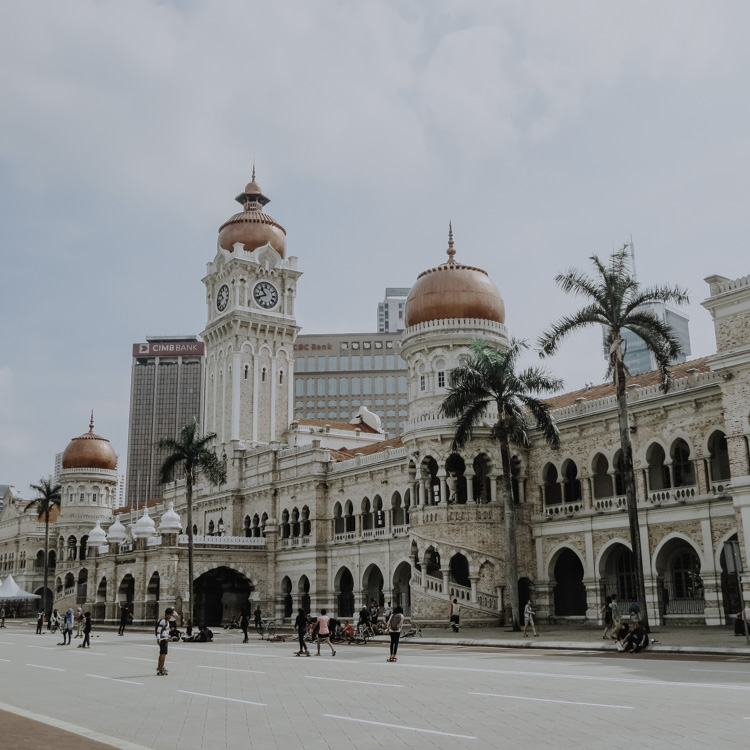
x: 391, y: 310
x: 165, y: 394
x: 638, y: 358
x: 335, y: 374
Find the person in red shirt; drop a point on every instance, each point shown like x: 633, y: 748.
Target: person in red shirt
x: 324, y: 633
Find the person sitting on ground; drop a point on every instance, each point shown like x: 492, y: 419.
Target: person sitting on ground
x: 204, y: 635
x: 381, y: 620
x: 637, y: 638
x: 174, y: 633
x: 347, y: 632
x: 621, y: 633
x: 233, y: 624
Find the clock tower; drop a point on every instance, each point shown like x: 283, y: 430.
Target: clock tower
x: 250, y: 330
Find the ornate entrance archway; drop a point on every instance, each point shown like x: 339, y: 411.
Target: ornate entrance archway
x: 219, y: 594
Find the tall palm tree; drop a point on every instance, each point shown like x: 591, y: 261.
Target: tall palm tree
x: 615, y: 300
x: 192, y: 455
x: 489, y: 379
x: 50, y: 496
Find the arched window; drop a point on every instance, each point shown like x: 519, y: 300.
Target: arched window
x: 248, y: 527
x: 571, y: 483
x: 658, y: 473
x: 602, y: 479
x: 682, y: 466
x: 286, y: 528
x: 350, y: 522
x: 338, y: 519
x: 552, y: 491
x: 72, y: 547
x: 719, y: 457
x: 210, y: 528
x: 256, y: 525
x: 306, y: 525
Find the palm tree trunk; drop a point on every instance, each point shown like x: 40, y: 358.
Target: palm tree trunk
x: 46, y: 561
x: 189, y: 498
x: 511, y: 549
x: 628, y: 475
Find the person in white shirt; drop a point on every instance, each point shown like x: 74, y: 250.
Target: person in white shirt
x: 162, y: 638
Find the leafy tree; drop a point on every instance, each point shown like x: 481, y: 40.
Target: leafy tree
x: 191, y: 453
x: 616, y: 301
x: 49, y: 497
x: 487, y: 382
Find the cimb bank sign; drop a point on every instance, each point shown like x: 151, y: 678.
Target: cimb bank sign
x: 169, y: 349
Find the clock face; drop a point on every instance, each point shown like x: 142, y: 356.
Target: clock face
x: 222, y: 298
x: 265, y: 295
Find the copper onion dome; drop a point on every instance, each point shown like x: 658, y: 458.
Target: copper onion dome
x: 89, y: 451
x: 453, y: 290
x: 251, y: 226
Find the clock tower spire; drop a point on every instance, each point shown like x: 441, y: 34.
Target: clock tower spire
x: 250, y: 330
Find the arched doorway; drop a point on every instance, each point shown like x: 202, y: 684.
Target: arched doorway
x: 372, y: 585
x: 570, y: 593
x: 678, y: 569
x: 459, y: 566
x: 401, y: 587
x: 219, y: 594
x: 126, y: 591
x: 303, y: 589
x: 152, y: 597
x: 101, y: 600
x: 455, y: 466
x: 730, y: 591
x: 82, y: 586
x: 345, y: 586
x: 617, y: 573
x: 286, y: 593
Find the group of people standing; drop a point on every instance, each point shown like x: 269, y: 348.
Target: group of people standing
x: 79, y: 620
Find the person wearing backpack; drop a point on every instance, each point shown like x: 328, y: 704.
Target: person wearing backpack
x: 394, y: 627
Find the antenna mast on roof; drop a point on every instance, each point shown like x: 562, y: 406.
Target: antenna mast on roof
x: 632, y: 257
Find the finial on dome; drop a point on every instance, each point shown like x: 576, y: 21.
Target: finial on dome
x: 91, y: 422
x: 451, y: 250
x: 253, y: 178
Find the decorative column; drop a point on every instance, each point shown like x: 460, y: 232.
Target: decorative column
x: 442, y: 477
x: 445, y: 572
x: 586, y: 498
x: 473, y: 579
x: 469, y: 477
x: 493, y: 487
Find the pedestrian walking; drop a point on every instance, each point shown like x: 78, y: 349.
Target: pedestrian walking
x: 258, y: 618
x: 606, y: 610
x: 528, y: 619
x: 79, y: 619
x: 244, y: 625
x: 54, y: 621
x: 124, y: 617
x: 86, y: 631
x: 324, y: 633
x: 455, y: 616
x: 2, y: 615
x: 39, y: 622
x: 67, y: 628
x: 301, y: 625
x: 635, y: 611
x: 162, y: 639
x: 394, y: 627
x: 616, y: 615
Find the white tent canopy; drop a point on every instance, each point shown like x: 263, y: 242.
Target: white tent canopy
x: 11, y: 590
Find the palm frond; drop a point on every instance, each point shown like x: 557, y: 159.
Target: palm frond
x: 551, y: 339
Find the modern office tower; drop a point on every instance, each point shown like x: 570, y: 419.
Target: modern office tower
x: 58, y: 468
x: 165, y: 394
x: 391, y: 310
x: 335, y: 374
x: 638, y: 358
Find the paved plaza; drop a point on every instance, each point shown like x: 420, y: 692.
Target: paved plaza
x: 258, y: 695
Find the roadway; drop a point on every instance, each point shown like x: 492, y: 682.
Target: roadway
x: 259, y: 695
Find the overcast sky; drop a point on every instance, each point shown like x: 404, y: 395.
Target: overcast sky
x: 546, y: 131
